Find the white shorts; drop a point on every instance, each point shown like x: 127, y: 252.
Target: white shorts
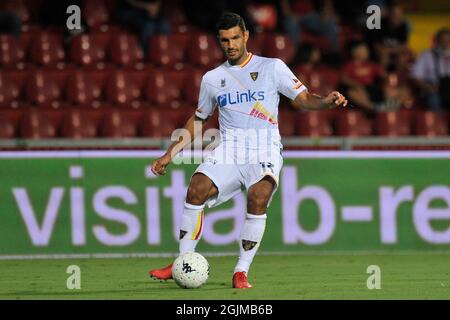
x: 235, y: 171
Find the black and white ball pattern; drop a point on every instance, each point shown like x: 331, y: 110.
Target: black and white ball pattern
x: 190, y: 270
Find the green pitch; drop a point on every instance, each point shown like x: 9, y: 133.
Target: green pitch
x: 405, y: 276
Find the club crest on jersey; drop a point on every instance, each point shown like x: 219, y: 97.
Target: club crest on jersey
x: 254, y: 75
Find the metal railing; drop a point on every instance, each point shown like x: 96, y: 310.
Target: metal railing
x: 342, y: 143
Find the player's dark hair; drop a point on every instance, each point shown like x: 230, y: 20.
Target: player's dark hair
x: 229, y: 20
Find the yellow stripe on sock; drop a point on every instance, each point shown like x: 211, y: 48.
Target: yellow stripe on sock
x: 198, y: 228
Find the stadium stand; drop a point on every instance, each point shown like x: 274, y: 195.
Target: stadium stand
x: 47, y: 50
x: 353, y: 124
x: 168, y: 50
x: 105, y: 86
x: 12, y: 54
x: 77, y: 125
x: 431, y: 124
x: 394, y: 124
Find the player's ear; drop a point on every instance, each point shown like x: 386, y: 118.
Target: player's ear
x: 246, y: 36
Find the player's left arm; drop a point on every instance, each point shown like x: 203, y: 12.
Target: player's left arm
x: 291, y: 87
x: 310, y: 101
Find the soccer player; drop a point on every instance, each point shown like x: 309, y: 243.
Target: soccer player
x: 246, y: 91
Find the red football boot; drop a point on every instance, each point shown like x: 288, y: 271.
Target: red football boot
x: 240, y: 280
x: 161, y: 274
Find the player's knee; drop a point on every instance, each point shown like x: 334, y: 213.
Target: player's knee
x: 257, y: 203
x: 197, y: 194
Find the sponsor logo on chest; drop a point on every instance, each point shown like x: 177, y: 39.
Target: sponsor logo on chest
x: 240, y: 97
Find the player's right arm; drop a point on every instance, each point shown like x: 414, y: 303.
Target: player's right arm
x: 193, y: 127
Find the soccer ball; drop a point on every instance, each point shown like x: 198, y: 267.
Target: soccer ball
x: 190, y: 270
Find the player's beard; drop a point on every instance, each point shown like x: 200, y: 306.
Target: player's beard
x: 235, y: 58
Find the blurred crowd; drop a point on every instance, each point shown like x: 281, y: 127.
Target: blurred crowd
x: 375, y: 68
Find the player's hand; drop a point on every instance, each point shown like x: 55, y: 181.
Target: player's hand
x: 335, y: 99
x: 158, y: 166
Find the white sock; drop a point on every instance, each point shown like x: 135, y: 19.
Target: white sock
x: 191, y: 227
x: 250, y: 239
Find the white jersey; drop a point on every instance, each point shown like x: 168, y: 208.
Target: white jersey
x: 247, y: 96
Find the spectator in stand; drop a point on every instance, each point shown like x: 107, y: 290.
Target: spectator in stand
x: 397, y: 83
x: 10, y: 23
x: 432, y: 72
x: 146, y: 17
x: 322, y: 20
x: 369, y: 85
x: 392, y: 38
x: 308, y: 57
x: 360, y: 77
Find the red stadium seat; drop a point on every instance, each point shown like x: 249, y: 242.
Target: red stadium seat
x: 19, y: 78
x: 12, y: 53
x: 431, y: 124
x: 394, y: 123
x: 286, y: 123
x: 82, y: 90
x: 353, y: 124
x: 47, y: 49
x: 54, y: 116
x: 135, y: 116
x: 115, y: 124
x: 26, y: 38
x: 168, y: 50
x: 123, y: 89
x: 125, y: 50
x: 164, y: 88
x: 97, y: 14
x: 278, y: 46
x: 321, y: 80
x: 34, y: 125
x: 204, y: 51
x: 43, y: 90
x: 184, y: 28
x: 191, y: 87
x: 77, y: 125
x: 9, y: 92
x: 89, y: 50
x: 7, y: 128
x: 13, y: 115
x: 161, y: 123
x: 99, y: 78
x: 314, y: 124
